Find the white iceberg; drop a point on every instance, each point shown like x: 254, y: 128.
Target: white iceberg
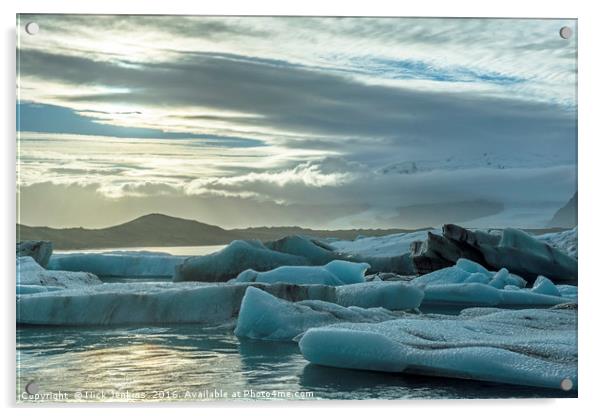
x: 118, y: 263
x: 335, y: 273
x: 30, y: 273
x: 264, y: 316
x: 533, y: 347
x: 470, y: 284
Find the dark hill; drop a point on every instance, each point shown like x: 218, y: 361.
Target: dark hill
x: 163, y: 230
x: 567, y: 215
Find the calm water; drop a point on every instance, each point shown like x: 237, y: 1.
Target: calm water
x: 190, y: 362
x: 176, y: 251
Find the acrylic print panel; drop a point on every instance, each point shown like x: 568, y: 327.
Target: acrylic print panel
x: 229, y: 208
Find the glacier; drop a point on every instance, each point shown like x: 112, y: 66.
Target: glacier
x: 264, y: 316
x: 118, y: 263
x: 469, y: 284
x: 335, y: 273
x: 30, y: 273
x: 532, y: 347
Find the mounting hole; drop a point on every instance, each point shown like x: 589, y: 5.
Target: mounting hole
x: 32, y: 387
x: 32, y: 28
x: 566, y: 32
x: 566, y: 384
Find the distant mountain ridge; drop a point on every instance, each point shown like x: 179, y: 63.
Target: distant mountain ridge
x: 163, y: 230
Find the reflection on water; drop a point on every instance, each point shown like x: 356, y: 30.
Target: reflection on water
x: 191, y: 362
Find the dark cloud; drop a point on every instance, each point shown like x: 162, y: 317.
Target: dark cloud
x: 302, y: 101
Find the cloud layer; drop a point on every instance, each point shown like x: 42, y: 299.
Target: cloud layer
x: 266, y: 119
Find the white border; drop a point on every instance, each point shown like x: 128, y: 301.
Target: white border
x: 590, y: 210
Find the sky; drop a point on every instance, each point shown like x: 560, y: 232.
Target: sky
x: 314, y: 122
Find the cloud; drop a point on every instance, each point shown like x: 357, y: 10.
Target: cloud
x: 298, y: 102
x: 284, y: 120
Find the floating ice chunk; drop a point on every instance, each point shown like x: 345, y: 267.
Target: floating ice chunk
x: 40, y: 251
x: 565, y: 241
x: 117, y: 264
x: 335, y: 273
x: 315, y: 252
x: 389, y: 295
x: 28, y: 289
x: 386, y: 246
x: 544, y: 286
x: 471, y: 266
x: 525, y: 347
x: 348, y: 272
x: 233, y: 259
x: 442, y: 277
x: 567, y: 291
x: 263, y: 316
x: 301, y: 275
x: 189, y: 302
x: 529, y: 257
x: 29, y: 272
x: 457, y: 286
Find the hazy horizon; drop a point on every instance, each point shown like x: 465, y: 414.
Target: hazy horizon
x: 325, y: 123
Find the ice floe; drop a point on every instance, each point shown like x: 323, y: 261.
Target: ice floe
x: 470, y: 284
x: 565, y: 241
x: 191, y: 302
x: 29, y: 273
x: 233, y: 259
x: 385, y: 246
x: 335, y: 273
x: 264, y: 316
x: 118, y: 263
x: 40, y: 251
x: 533, y: 347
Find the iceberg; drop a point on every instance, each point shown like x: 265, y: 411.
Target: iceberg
x: 233, y: 259
x: 389, y: 295
x: 241, y: 255
x: 190, y: 302
x: 118, y: 263
x: 513, y: 249
x: 565, y: 241
x: 263, y: 316
x: 335, y: 273
x: 30, y: 273
x: 40, y: 251
x: 470, y: 284
x: 385, y: 246
x: 532, y: 347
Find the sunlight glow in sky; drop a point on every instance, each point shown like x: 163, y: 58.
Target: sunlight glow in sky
x: 320, y: 122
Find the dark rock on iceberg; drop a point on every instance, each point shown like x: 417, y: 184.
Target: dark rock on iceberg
x: 513, y: 249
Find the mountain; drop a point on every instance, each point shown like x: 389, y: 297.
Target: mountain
x: 567, y: 215
x: 148, y: 230
x: 163, y: 230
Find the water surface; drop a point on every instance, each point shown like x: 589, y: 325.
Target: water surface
x: 192, y: 363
